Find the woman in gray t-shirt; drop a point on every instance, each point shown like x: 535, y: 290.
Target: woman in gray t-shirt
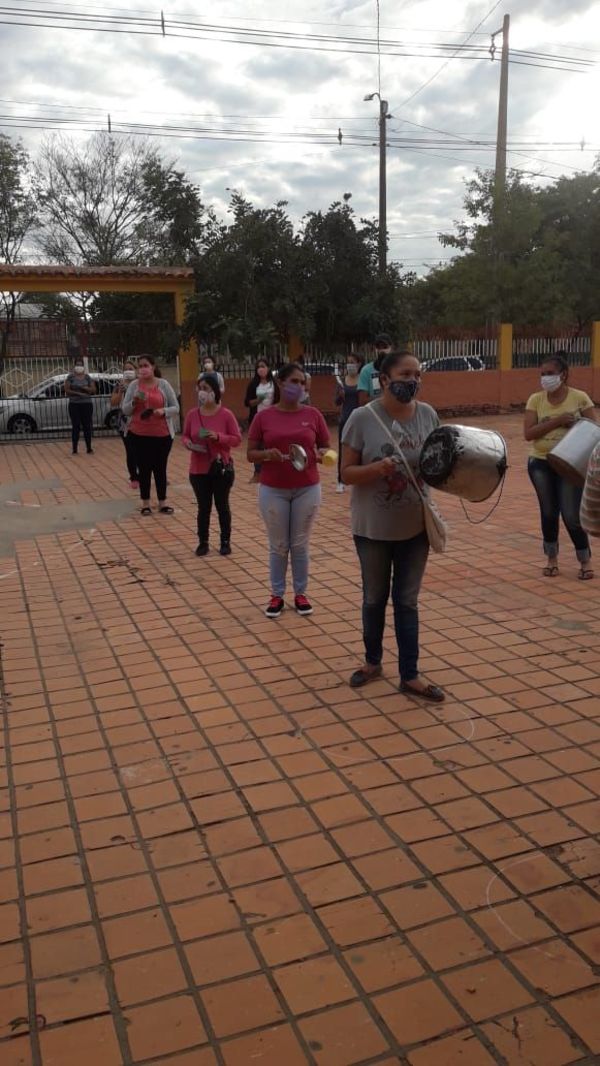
x: 387, y: 516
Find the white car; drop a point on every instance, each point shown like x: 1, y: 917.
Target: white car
x: 454, y: 362
x: 45, y: 406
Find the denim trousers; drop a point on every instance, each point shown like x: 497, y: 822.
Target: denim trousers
x: 558, y: 498
x: 289, y: 515
x: 403, y: 562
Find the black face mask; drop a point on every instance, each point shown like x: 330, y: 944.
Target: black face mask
x: 404, y: 391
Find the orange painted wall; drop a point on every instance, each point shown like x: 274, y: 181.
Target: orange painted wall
x: 501, y: 390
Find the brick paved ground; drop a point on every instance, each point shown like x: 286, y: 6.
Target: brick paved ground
x: 214, y: 851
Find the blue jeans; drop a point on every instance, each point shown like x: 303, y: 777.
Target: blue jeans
x: 407, y: 559
x: 557, y: 498
x: 289, y: 515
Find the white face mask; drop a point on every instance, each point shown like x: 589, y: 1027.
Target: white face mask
x: 550, y: 382
x: 205, y: 397
x: 352, y: 369
x: 79, y: 369
x: 129, y: 375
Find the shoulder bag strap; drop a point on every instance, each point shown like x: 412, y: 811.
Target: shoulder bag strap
x: 398, y: 450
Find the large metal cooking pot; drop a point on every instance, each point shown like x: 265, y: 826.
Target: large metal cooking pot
x: 570, y: 457
x: 464, y: 461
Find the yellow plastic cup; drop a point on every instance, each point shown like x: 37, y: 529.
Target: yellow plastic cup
x: 330, y: 457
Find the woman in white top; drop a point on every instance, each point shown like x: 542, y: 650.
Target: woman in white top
x: 259, y: 396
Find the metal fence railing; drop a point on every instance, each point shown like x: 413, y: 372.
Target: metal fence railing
x: 531, y: 351
x: 480, y: 353
x: 33, y: 404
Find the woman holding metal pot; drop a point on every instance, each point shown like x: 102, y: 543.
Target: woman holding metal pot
x: 209, y: 433
x: 387, y: 516
x: 289, y: 495
x: 549, y: 415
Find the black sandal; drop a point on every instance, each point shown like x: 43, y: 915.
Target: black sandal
x: 432, y: 693
x: 146, y: 510
x: 362, y: 676
x: 166, y: 510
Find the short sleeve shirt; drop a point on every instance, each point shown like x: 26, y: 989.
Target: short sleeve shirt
x: 75, y: 382
x: 389, y: 508
x: 368, y: 381
x: 274, y: 428
x: 575, y: 401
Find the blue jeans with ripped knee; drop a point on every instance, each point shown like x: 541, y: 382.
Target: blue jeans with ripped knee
x: 289, y: 515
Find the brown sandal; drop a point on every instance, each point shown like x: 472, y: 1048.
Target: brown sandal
x: 551, y: 570
x: 585, y: 574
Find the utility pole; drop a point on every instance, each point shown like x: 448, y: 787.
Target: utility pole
x: 502, y: 135
x: 384, y: 116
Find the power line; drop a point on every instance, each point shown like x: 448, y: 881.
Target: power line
x: 84, y: 22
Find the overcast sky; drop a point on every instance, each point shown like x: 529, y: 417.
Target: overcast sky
x: 177, y: 81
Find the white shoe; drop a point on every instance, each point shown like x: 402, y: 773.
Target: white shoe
x: 340, y: 487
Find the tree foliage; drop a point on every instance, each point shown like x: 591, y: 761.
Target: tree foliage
x: 18, y: 218
x: 532, y: 260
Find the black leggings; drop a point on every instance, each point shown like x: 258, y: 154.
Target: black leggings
x: 207, y: 488
x: 151, y: 455
x: 81, y: 415
x: 131, y: 456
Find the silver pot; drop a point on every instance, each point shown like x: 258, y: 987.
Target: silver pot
x: 464, y: 461
x: 298, y: 457
x: 570, y: 457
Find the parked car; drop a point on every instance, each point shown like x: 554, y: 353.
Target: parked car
x: 46, y: 407
x: 454, y: 362
x: 317, y: 369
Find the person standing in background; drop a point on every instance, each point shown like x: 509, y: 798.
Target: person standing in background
x: 80, y: 387
x: 210, y: 367
x: 549, y: 415
x: 307, y: 380
x: 368, y: 382
x: 151, y: 405
x: 346, y: 398
x: 259, y: 396
x: 116, y: 400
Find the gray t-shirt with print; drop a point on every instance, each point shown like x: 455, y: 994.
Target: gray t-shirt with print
x: 389, y: 508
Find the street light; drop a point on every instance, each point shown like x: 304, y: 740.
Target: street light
x: 384, y: 114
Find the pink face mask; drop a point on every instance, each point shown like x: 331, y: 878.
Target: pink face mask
x: 146, y: 371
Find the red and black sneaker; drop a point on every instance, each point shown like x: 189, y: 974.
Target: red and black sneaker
x: 274, y: 607
x: 302, y: 605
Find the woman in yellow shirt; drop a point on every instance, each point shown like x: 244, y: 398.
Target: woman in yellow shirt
x: 549, y: 415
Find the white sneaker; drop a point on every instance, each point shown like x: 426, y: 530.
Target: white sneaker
x: 340, y: 487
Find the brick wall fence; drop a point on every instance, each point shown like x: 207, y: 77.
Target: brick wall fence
x: 463, y: 392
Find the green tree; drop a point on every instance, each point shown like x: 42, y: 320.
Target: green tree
x: 248, y: 280
x: 18, y: 219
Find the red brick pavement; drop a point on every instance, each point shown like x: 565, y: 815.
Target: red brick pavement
x: 213, y: 851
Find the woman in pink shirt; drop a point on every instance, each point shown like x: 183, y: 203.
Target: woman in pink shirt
x: 288, y: 498
x: 210, y: 432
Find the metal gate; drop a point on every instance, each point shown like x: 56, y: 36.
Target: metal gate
x: 41, y: 353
